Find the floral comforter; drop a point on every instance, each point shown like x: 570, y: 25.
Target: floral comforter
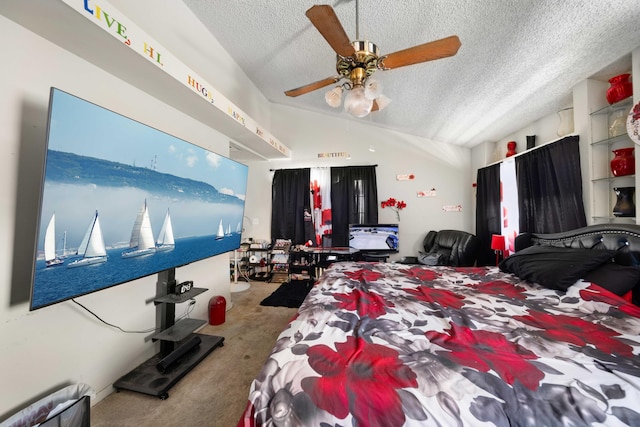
x: 383, y: 344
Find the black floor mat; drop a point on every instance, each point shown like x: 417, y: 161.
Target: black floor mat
x: 290, y: 294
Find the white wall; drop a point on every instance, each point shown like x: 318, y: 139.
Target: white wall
x: 545, y: 130
x: 443, y: 167
x: 44, y: 350
x: 167, y: 21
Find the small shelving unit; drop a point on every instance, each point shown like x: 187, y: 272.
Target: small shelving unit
x: 602, y: 144
x: 257, y: 261
x: 180, y: 349
x: 300, y: 266
x: 279, y: 261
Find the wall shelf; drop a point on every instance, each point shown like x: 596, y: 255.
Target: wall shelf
x: 624, y: 104
x: 613, y: 179
x: 611, y: 218
x: 601, y: 153
x: 613, y: 140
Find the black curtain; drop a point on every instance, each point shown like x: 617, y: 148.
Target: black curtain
x: 354, y: 200
x: 290, y: 197
x: 550, y: 188
x: 487, y: 211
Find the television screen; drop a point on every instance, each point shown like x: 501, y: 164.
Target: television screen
x: 374, y: 237
x: 121, y: 200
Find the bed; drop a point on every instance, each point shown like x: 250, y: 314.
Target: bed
x: 536, y: 341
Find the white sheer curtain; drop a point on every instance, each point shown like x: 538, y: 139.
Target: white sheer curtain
x: 321, y: 201
x: 509, y: 204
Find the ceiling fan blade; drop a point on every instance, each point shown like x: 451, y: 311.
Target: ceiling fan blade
x: 312, y: 86
x: 425, y: 52
x: 324, y: 18
x: 375, y: 106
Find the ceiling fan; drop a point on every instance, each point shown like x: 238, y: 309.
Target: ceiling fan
x: 357, y: 61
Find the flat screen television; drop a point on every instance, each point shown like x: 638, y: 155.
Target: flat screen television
x: 374, y: 237
x: 121, y: 200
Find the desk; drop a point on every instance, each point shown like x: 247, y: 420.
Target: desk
x: 323, y: 257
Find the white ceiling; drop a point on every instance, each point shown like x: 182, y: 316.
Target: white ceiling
x: 518, y: 61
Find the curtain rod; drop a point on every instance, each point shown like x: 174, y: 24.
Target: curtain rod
x: 273, y: 170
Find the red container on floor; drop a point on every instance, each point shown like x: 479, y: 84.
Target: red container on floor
x: 217, y: 310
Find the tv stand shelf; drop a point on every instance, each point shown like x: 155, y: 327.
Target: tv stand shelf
x: 177, y: 299
x: 180, y: 349
x: 179, y: 331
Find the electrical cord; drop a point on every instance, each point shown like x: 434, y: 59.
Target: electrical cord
x: 188, y: 310
x: 186, y: 314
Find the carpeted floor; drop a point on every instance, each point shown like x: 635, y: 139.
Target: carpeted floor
x: 215, y: 392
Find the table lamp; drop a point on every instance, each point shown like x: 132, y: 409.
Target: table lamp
x: 497, y: 244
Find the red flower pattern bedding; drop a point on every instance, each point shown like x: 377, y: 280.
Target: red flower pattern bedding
x: 383, y: 344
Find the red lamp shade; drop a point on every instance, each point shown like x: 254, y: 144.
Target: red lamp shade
x: 497, y: 242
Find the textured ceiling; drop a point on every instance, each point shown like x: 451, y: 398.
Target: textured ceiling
x: 518, y: 61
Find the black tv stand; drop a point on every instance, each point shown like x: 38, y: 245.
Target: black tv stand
x: 180, y: 349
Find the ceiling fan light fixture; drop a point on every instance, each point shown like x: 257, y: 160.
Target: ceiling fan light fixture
x: 372, y: 88
x: 334, y: 97
x: 357, y: 61
x: 356, y: 103
x: 383, y: 102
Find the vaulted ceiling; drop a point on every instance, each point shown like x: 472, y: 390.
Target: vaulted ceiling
x: 518, y: 61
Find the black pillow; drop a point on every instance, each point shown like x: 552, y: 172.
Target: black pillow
x: 616, y: 278
x: 552, y: 267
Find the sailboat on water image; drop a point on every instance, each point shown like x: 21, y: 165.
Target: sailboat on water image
x: 220, y: 234
x: 92, y: 249
x: 165, y: 240
x: 50, y: 257
x: 64, y: 246
x: 141, y: 241
x: 228, y: 233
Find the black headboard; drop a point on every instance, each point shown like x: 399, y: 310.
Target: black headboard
x: 622, y: 237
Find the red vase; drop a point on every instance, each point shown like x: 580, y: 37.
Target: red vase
x: 620, y: 89
x: 624, y: 163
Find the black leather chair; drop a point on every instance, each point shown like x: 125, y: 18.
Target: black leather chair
x: 447, y: 247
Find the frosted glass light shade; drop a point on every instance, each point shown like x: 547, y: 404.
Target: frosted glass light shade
x: 372, y: 88
x: 334, y: 96
x: 356, y: 103
x: 382, y: 102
